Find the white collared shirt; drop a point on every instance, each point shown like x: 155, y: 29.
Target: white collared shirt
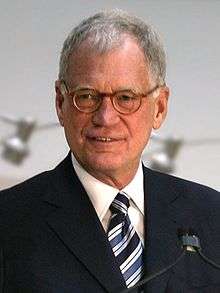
x: 102, y: 195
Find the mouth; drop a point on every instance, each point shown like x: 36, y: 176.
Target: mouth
x: 103, y: 139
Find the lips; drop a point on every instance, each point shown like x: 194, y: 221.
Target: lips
x: 103, y: 138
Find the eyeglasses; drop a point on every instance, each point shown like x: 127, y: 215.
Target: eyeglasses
x: 89, y: 100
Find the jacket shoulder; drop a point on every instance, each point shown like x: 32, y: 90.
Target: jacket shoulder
x: 195, y: 194
x: 34, y: 186
x: 30, y: 186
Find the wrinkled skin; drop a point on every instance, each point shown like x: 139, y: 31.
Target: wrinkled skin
x: 115, y: 161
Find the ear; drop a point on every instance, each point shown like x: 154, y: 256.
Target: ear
x: 59, y: 101
x: 160, y: 106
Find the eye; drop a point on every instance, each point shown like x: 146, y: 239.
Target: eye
x: 125, y: 98
x: 85, y: 99
x: 86, y: 96
x: 126, y: 101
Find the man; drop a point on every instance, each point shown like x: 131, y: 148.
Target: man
x: 101, y: 221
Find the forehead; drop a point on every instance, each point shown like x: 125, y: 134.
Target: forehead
x: 122, y: 66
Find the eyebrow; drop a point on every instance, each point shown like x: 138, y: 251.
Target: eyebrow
x: 122, y: 89
x: 84, y: 87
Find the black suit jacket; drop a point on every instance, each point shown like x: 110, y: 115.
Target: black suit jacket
x: 52, y: 240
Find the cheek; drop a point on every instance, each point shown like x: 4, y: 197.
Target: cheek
x: 73, y: 127
x: 75, y: 124
x: 142, y: 129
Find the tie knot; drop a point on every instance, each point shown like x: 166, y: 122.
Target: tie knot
x: 120, y: 203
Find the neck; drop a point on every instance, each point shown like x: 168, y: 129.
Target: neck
x: 114, y: 179
x: 118, y: 178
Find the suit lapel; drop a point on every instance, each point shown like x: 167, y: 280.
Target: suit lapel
x: 78, y: 227
x: 161, y: 241
x: 170, y: 205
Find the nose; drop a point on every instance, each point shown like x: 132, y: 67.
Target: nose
x: 106, y: 115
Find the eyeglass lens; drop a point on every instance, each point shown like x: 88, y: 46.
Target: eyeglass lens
x: 89, y: 101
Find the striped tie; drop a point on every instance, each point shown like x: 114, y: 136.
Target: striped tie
x: 125, y: 242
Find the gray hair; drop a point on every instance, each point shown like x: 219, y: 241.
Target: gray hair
x: 105, y: 31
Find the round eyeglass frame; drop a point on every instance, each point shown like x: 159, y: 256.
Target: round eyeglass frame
x: 64, y: 90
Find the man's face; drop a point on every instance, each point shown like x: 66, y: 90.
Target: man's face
x: 105, y: 142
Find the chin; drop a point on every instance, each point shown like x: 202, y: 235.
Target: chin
x: 106, y: 162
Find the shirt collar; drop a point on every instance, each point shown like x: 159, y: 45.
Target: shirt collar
x: 135, y: 189
x: 102, y: 195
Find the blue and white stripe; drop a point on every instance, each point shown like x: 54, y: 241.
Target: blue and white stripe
x: 125, y: 242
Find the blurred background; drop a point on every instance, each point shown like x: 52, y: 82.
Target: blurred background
x: 32, y: 33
